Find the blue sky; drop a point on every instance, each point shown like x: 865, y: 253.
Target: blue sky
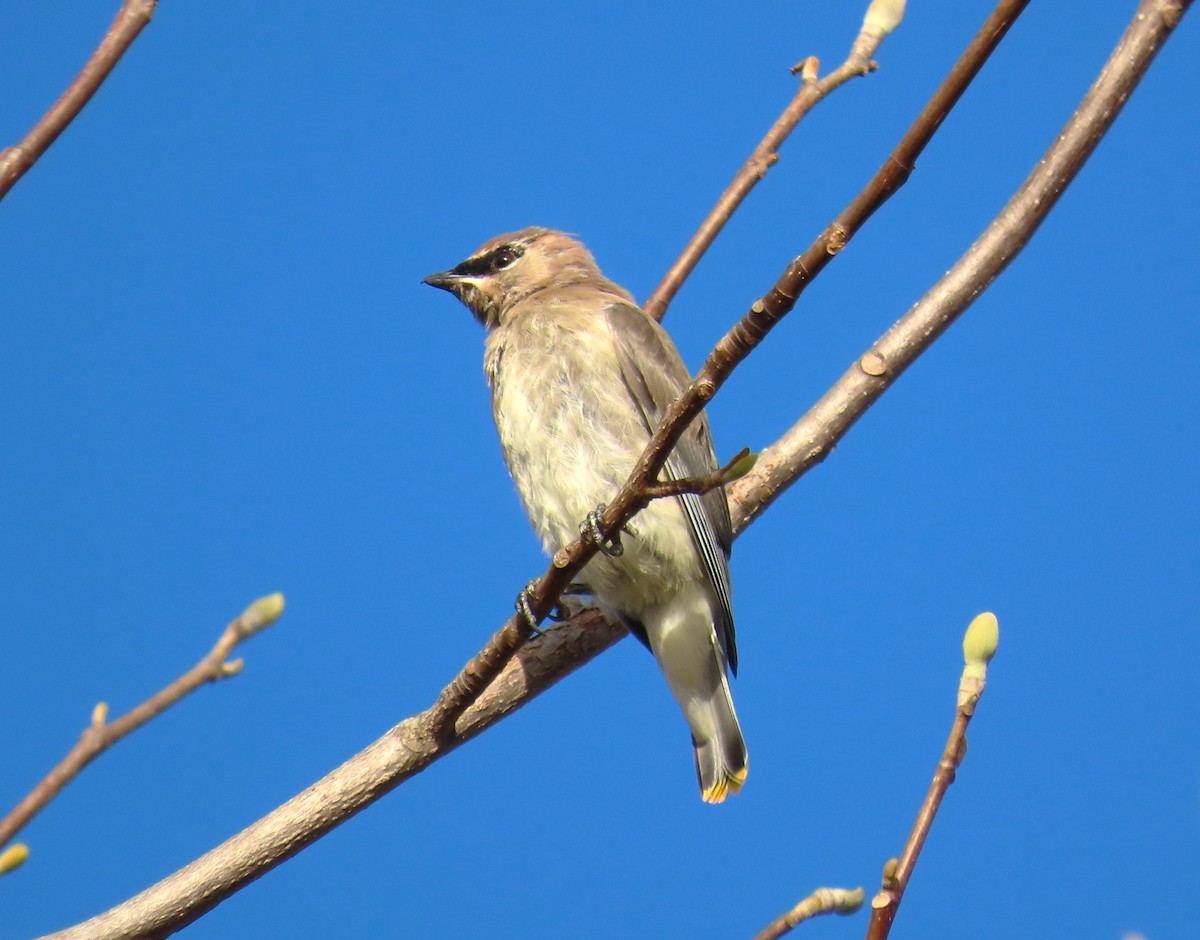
x: 221, y: 377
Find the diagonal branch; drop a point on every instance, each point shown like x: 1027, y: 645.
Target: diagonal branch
x: 129, y: 21
x: 882, y: 17
x: 100, y: 735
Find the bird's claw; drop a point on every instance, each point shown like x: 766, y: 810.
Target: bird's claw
x: 525, y: 609
x: 590, y: 530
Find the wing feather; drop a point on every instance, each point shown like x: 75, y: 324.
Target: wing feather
x: 655, y: 376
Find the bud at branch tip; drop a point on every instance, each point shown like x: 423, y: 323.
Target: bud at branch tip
x: 13, y: 857
x: 884, y: 15
x: 742, y: 464
x: 979, y: 646
x: 260, y: 615
x: 981, y: 640
x: 99, y: 714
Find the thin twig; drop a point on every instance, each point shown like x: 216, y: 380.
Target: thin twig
x: 821, y: 901
x: 979, y: 647
x: 497, y: 681
x: 886, y: 903
x: 100, y: 735
x: 703, y: 484
x: 810, y: 93
x: 129, y: 21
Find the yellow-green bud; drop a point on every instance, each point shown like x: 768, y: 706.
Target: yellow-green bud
x: 260, y: 615
x: 99, y: 714
x: 981, y: 640
x: 884, y: 15
x: 846, y: 901
x: 13, y: 857
x: 979, y: 646
x: 742, y: 464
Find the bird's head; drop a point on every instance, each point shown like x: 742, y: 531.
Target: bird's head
x: 511, y: 268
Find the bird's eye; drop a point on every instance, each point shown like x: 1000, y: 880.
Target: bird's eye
x: 504, y: 258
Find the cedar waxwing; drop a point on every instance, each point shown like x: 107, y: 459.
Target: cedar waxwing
x: 580, y: 378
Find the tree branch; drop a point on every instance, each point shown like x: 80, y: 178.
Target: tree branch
x: 979, y: 646
x: 100, y: 735
x: 129, y: 21
x: 881, y: 18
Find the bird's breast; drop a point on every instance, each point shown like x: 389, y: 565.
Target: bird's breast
x: 570, y: 434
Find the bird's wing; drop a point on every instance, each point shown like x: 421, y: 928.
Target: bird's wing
x: 655, y: 376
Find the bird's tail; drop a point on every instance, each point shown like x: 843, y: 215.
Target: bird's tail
x: 684, y: 641
x: 721, y: 759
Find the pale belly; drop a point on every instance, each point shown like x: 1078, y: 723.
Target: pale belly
x: 570, y: 449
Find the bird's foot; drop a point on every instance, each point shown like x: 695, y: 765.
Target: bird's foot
x: 566, y: 607
x: 590, y: 530
x: 525, y: 609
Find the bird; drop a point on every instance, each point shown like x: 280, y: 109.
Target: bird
x: 580, y: 378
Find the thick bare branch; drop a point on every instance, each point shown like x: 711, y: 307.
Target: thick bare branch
x: 101, y: 734
x: 810, y: 93
x: 129, y: 21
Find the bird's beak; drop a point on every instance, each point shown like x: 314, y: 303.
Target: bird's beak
x: 443, y: 280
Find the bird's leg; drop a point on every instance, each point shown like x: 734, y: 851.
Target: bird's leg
x: 567, y: 605
x: 590, y: 529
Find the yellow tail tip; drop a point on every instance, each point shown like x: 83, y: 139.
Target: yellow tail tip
x: 726, y: 786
